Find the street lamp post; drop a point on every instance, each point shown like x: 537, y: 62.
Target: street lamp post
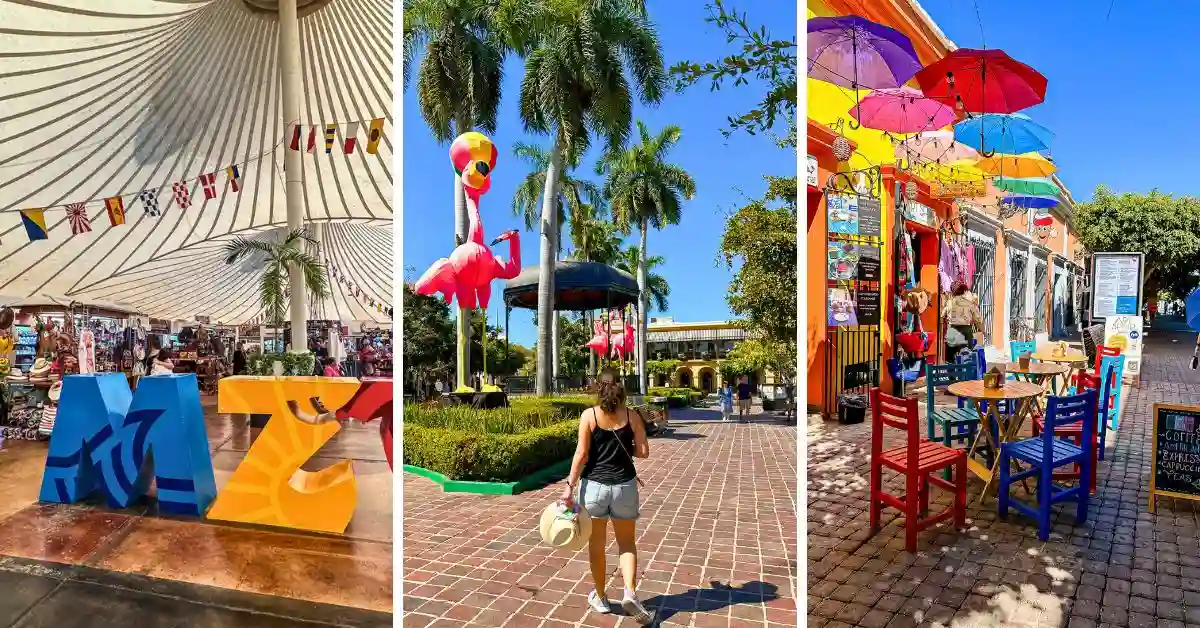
x: 293, y: 189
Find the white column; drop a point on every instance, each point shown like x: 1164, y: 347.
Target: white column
x: 290, y: 77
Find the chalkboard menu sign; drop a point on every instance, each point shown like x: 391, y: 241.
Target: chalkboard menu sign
x: 1176, y: 459
x: 868, y: 217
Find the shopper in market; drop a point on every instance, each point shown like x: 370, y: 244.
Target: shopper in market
x: 239, y: 359
x: 961, y: 320
x: 162, y: 363
x: 330, y: 368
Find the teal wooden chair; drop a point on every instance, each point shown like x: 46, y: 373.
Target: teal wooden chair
x: 1118, y: 378
x: 958, y: 423
x: 1017, y: 347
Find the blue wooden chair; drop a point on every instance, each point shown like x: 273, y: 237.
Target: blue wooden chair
x: 1017, y: 347
x: 1118, y: 385
x: 978, y: 360
x: 959, y: 423
x: 1045, y: 453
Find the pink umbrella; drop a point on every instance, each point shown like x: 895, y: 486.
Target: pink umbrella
x: 934, y: 146
x: 902, y: 110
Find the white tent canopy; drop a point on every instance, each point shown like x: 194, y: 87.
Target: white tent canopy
x: 106, y: 98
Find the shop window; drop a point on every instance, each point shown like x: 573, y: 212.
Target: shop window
x: 1016, y: 283
x: 984, y: 281
x: 1039, y: 296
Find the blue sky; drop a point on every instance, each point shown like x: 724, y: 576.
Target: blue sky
x: 1118, y: 96
x: 726, y: 170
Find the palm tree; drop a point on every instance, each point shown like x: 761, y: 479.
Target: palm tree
x: 276, y: 257
x: 575, y: 84
x: 596, y: 240
x: 646, y: 191
x: 657, y: 289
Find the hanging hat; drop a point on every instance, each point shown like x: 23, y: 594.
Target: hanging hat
x: 564, y: 528
x: 55, y: 391
x: 40, y: 367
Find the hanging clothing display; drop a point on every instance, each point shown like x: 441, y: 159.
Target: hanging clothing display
x: 947, y: 272
x: 970, y: 270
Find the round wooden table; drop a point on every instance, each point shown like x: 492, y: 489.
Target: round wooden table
x: 1074, y: 360
x: 1008, y: 428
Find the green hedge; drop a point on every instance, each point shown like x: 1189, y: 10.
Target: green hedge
x: 677, y: 397
x: 502, y: 445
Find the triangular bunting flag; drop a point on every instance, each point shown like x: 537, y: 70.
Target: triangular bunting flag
x: 35, y: 223
x: 77, y: 216
x: 312, y: 139
x: 209, y: 182
x: 297, y: 131
x: 149, y: 199
x: 116, y: 210
x: 330, y: 136
x: 351, y: 137
x: 235, y: 177
x: 374, y: 134
x: 183, y: 197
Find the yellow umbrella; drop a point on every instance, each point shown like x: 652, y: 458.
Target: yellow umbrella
x: 1018, y: 166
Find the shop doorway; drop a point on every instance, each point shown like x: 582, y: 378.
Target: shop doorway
x: 1040, y: 295
x: 685, y: 378
x: 706, y: 381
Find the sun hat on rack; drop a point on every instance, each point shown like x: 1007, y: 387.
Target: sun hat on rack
x: 55, y: 391
x: 565, y: 528
x: 40, y: 368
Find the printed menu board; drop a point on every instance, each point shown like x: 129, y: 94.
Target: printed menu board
x: 1175, y: 461
x: 1116, y: 284
x: 868, y: 217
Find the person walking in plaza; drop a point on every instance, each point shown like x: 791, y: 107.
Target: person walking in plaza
x: 610, y: 437
x: 239, y: 359
x: 961, y: 320
x: 726, y: 394
x: 744, y: 393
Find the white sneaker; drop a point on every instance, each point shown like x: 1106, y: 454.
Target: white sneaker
x: 598, y: 604
x: 634, y: 608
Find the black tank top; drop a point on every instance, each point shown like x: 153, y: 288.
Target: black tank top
x: 610, y: 455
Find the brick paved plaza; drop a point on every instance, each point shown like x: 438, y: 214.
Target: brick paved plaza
x: 716, y: 542
x: 1123, y: 568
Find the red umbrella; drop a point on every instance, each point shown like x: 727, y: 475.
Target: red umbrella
x: 982, y: 81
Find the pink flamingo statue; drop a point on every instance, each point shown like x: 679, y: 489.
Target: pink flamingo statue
x: 600, y: 341
x: 468, y: 272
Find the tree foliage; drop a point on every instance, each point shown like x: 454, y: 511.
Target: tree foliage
x: 760, y: 242
x: 273, y: 259
x: 429, y: 340
x: 758, y: 354
x: 656, y: 285
x: 666, y: 368
x: 1164, y: 227
x: 770, y: 60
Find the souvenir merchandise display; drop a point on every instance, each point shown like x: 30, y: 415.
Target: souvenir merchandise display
x: 25, y: 346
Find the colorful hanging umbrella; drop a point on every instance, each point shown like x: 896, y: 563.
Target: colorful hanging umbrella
x: 857, y: 53
x: 935, y: 146
x: 1011, y: 134
x: 1037, y: 186
x: 1192, y: 306
x: 982, y: 81
x: 1019, y: 166
x: 1029, y: 202
x: 901, y: 110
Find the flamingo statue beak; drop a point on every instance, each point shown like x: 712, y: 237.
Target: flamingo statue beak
x: 504, y: 236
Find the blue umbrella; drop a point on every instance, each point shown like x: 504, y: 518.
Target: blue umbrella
x: 1008, y: 134
x: 1030, y: 202
x: 1192, y: 305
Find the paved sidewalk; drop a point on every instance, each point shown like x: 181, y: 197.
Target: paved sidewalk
x: 716, y: 544
x: 1123, y: 568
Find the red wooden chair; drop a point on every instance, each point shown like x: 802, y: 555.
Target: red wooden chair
x: 1074, y: 431
x: 1102, y: 352
x: 918, y: 461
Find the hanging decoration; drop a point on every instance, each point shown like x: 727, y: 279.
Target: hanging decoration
x: 149, y: 199
x: 342, y: 279
x: 34, y: 221
x: 77, y: 216
x: 183, y: 196
x: 329, y: 133
x: 1043, y: 225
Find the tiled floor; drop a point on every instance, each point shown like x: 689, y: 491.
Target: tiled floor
x: 1124, y: 567
x: 716, y: 541
x: 351, y: 572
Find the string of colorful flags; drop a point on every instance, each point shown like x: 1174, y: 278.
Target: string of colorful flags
x: 34, y: 219
x: 357, y: 292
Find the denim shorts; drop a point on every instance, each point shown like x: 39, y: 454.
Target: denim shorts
x: 611, y: 501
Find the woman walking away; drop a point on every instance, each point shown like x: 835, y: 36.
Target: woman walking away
x: 610, y: 437
x: 961, y: 320
x: 726, y: 402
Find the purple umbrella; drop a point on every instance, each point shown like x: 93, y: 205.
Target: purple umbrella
x: 854, y: 52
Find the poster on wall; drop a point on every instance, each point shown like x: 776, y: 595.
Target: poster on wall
x: 843, y: 213
x: 868, y: 217
x: 866, y: 304
x: 1125, y: 333
x: 811, y: 174
x: 843, y: 261
x: 841, y: 308
x: 1117, y: 284
x: 868, y: 263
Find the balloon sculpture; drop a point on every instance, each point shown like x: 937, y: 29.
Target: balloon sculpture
x: 601, y: 341
x: 623, y: 343
x: 613, y: 344
x: 468, y: 272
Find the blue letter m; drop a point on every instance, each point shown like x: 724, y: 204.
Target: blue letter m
x: 103, y: 436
